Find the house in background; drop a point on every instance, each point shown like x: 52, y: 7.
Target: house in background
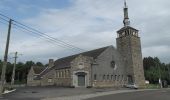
x: 33, y: 73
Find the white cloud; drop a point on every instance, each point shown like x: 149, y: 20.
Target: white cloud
x: 90, y: 24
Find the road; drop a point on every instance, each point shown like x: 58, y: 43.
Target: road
x: 142, y: 95
x: 37, y: 93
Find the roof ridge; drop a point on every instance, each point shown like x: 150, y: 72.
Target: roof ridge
x: 84, y: 52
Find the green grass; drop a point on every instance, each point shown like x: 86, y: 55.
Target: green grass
x: 152, y: 86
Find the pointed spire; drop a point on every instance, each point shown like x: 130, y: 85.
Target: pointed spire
x: 126, y: 21
x: 125, y: 3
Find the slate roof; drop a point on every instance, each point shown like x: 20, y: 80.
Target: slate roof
x: 65, y: 61
x: 45, y: 71
x: 126, y: 27
x: 38, y: 69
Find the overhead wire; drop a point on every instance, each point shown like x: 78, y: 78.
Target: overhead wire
x: 49, y: 36
x: 41, y: 34
x: 36, y: 35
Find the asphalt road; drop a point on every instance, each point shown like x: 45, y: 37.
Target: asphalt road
x: 37, y: 93
x: 142, y: 95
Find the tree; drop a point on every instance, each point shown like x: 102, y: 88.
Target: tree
x: 154, y: 70
x: 39, y: 64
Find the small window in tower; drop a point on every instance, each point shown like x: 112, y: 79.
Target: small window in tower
x: 123, y: 34
x: 134, y: 33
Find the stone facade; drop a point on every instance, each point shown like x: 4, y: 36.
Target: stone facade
x: 33, y: 73
x: 129, y: 46
x: 48, y: 78
x: 81, y: 65
x: 63, y: 77
x: 106, y: 74
x: 103, y: 67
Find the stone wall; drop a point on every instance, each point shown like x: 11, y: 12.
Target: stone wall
x: 48, y: 78
x: 130, y: 48
x: 63, y: 77
x: 30, y: 78
x: 108, y: 83
x: 104, y: 73
x: 81, y: 64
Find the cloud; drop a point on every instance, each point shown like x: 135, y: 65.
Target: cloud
x: 91, y: 24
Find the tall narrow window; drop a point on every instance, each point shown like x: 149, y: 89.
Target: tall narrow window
x: 115, y: 77
x: 107, y: 77
x: 111, y: 77
x: 103, y: 77
x: 95, y: 77
x: 122, y: 78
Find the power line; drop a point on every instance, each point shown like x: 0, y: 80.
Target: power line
x: 42, y: 37
x: 36, y: 35
x: 48, y: 36
x: 41, y: 34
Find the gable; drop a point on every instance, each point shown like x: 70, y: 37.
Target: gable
x: 38, y: 69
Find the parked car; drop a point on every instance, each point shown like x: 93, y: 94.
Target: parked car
x: 131, y: 86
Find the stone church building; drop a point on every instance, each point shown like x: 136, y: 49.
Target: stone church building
x: 103, y: 67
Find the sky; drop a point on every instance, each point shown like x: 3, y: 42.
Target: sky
x: 87, y: 24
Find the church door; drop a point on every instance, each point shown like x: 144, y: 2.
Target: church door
x: 81, y: 80
x: 130, y: 79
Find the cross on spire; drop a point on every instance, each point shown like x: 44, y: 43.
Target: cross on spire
x: 125, y: 3
x: 126, y: 21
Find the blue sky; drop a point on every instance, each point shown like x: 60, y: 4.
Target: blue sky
x: 27, y: 8
x: 88, y: 24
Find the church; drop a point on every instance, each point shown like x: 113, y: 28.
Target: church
x: 103, y: 67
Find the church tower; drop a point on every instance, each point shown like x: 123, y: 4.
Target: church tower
x: 129, y: 46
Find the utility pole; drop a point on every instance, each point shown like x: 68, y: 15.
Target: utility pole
x: 5, y: 59
x: 160, y: 81
x: 13, y: 72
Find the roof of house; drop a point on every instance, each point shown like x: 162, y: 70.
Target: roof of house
x: 45, y: 71
x: 38, y: 69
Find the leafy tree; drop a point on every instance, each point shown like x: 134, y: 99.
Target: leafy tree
x: 39, y: 64
x: 154, y: 70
